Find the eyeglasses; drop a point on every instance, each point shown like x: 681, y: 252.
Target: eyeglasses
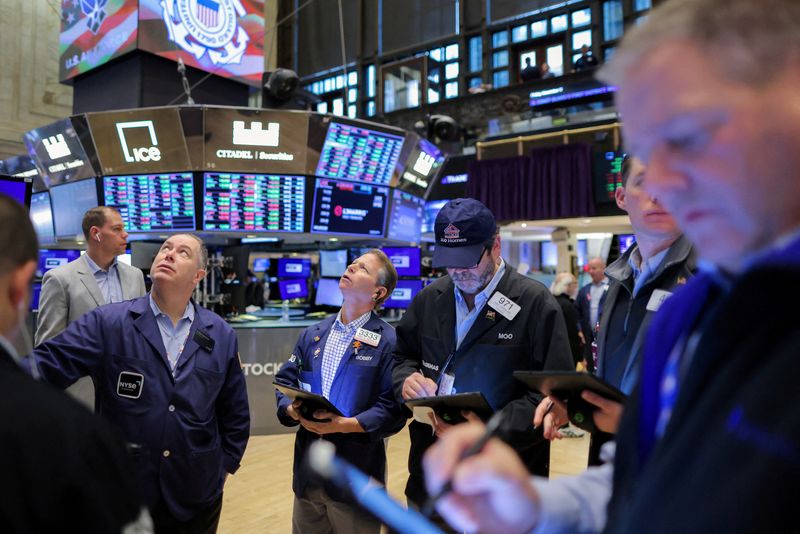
x: 480, y: 258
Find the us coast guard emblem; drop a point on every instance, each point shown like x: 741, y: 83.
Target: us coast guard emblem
x: 207, y: 26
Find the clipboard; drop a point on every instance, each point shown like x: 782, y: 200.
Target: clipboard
x: 567, y: 386
x: 449, y: 407
x: 311, y: 402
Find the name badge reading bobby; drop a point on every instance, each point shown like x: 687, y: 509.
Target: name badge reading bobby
x: 504, y: 305
x: 365, y: 336
x: 130, y: 385
x: 657, y: 298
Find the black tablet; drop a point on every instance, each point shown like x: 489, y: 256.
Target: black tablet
x: 311, y: 401
x: 566, y: 384
x: 449, y: 407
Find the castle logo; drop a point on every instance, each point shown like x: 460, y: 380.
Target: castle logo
x: 207, y: 27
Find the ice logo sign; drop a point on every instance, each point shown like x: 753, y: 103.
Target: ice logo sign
x: 207, y: 26
x: 95, y: 11
x: 256, y: 135
x: 142, y: 153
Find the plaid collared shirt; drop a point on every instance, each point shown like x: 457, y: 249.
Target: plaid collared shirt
x: 339, y: 339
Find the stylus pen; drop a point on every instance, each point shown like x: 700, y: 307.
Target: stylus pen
x: 491, y: 430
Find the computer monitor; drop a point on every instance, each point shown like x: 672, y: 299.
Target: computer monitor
x: 152, y: 202
x: 333, y: 262
x: 353, y: 151
x: 405, y: 217
x: 52, y: 258
x: 549, y: 254
x: 17, y: 188
x: 403, y: 294
x: 349, y: 208
x: 405, y: 259
x: 294, y: 267
x: 41, y: 214
x: 328, y: 293
x: 70, y: 201
x: 431, y: 211
x: 261, y: 265
x: 625, y: 242
x: 293, y: 288
x: 234, y: 202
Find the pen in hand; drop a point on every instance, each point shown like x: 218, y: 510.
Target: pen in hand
x: 492, y: 427
x: 547, y: 411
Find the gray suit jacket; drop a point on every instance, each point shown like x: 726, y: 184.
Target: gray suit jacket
x: 70, y: 291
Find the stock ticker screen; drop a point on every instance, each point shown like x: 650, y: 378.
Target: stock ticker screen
x: 349, y: 208
x: 152, y: 202
x: 355, y: 153
x: 254, y: 202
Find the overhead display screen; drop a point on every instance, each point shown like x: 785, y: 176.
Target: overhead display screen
x: 405, y: 217
x: 41, y: 215
x: 50, y: 259
x: 294, y: 288
x: 254, y: 202
x: 147, y: 140
x: 349, y: 208
x: 70, y: 201
x: 423, y: 163
x: 254, y: 140
x: 16, y: 188
x: 406, y: 260
x: 94, y: 32
x: 58, y: 152
x: 356, y: 153
x: 225, y: 37
x: 152, y: 202
x: 328, y: 293
x: 24, y: 167
x: 294, y: 267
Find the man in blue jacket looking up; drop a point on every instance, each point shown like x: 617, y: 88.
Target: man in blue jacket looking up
x: 348, y: 360
x: 167, y: 373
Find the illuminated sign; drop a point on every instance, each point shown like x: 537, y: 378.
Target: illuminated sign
x: 56, y: 147
x: 151, y: 153
x: 58, y: 152
x: 249, y: 140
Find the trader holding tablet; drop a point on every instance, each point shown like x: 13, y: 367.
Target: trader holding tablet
x: 470, y: 330
x: 348, y: 360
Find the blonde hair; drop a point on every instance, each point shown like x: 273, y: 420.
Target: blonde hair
x: 561, y: 283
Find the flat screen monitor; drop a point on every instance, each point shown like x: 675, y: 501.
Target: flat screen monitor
x: 332, y: 262
x: 405, y: 259
x: 421, y: 168
x: 328, y: 293
x: 349, y: 208
x: 140, y: 141
x: 52, y: 258
x: 24, y: 167
x: 255, y: 140
x: 431, y: 211
x: 607, y: 175
x: 293, y: 288
x: 41, y: 214
x: 405, y: 217
x: 70, y: 202
x: 36, y: 291
x: 403, y: 294
x: 152, y: 202
x: 261, y: 265
x: 17, y: 188
x: 59, y: 153
x: 625, y: 242
x: 253, y: 202
x: 354, y: 152
x: 294, y: 267
x: 94, y: 33
x: 222, y: 37
x: 549, y: 254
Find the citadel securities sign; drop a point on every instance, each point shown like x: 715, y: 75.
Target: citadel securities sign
x: 258, y: 141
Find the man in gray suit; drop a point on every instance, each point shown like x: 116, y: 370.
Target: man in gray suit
x: 94, y: 279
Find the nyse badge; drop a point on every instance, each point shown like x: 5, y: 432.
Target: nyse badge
x: 491, y: 315
x: 130, y: 385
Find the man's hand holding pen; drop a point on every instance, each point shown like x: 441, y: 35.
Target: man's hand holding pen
x: 417, y: 385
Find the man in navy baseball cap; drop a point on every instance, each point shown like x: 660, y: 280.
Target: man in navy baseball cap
x: 464, y: 229
x: 470, y: 330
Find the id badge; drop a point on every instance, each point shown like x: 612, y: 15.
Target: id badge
x: 446, y: 385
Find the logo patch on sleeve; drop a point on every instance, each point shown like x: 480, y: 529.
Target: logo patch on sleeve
x: 130, y: 385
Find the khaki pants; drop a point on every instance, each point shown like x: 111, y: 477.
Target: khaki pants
x: 316, y: 513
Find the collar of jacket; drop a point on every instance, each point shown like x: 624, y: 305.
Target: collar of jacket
x: 680, y: 251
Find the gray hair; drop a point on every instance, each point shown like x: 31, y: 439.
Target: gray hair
x: 561, y: 282
x: 751, y: 40
x: 203, y: 250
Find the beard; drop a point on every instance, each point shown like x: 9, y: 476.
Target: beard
x: 470, y: 282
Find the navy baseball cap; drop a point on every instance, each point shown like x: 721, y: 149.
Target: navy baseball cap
x: 464, y: 228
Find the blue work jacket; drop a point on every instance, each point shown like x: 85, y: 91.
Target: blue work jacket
x: 184, y: 432
x: 361, y: 388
